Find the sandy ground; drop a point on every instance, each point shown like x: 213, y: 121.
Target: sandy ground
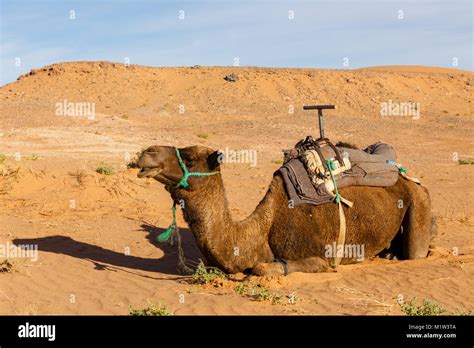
x: 96, y: 233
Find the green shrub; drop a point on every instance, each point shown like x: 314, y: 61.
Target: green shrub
x: 153, y: 310
x: 426, y: 308
x: 104, y: 169
x: 258, y: 293
x: 205, y: 275
x: 241, y: 289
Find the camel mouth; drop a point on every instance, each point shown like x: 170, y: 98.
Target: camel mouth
x: 148, y: 172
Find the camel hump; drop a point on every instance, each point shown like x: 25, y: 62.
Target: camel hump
x: 346, y: 145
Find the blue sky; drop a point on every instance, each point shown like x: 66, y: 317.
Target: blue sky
x: 258, y: 33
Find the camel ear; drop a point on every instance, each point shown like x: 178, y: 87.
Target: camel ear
x: 214, y: 159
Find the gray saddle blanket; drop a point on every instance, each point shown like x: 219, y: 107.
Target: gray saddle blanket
x: 369, y: 167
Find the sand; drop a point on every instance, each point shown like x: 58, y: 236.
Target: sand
x: 96, y: 233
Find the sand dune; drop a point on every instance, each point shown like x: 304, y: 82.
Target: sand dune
x: 96, y: 233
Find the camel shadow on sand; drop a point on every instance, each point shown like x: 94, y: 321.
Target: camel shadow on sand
x: 105, y: 259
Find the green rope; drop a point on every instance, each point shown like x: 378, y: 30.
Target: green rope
x: 331, y: 166
x: 186, y: 174
x: 398, y: 165
x: 163, y: 237
x: 183, y: 182
x: 401, y: 169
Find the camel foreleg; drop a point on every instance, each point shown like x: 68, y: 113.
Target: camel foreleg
x: 308, y: 265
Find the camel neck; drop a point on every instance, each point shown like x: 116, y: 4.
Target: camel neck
x: 206, y: 209
x: 222, y: 240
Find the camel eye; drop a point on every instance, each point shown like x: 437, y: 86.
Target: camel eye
x: 188, y: 161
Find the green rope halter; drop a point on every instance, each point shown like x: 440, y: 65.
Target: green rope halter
x: 186, y: 174
x: 183, y: 182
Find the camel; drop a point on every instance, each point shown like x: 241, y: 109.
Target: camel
x: 278, y: 239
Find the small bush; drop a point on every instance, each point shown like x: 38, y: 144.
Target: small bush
x: 426, y: 308
x: 241, y: 289
x: 3, y: 157
x: 466, y: 161
x: 464, y: 312
x: 202, y: 135
x: 153, y: 310
x: 205, y: 275
x: 258, y: 293
x: 104, y: 169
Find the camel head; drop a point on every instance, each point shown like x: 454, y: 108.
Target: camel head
x: 161, y: 163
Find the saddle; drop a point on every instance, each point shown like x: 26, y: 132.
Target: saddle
x: 323, y: 161
x: 314, y: 170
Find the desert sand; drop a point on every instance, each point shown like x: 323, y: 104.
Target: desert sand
x: 96, y: 233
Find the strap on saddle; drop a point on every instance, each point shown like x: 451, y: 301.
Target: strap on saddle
x: 310, y: 144
x: 325, y: 141
x: 341, y: 239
